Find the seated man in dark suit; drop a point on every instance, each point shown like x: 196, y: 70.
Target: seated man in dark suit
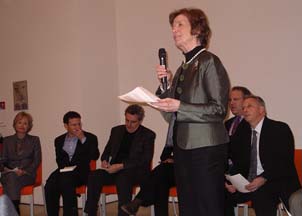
x: 125, y: 161
x: 236, y: 126
x: 155, y: 190
x: 74, y: 148
x: 236, y: 97
x: 267, y: 161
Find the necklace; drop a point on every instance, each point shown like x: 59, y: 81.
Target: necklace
x: 185, y: 64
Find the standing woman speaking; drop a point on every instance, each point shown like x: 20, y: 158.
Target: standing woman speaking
x: 195, y: 106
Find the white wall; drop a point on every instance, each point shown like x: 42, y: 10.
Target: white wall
x: 66, y: 50
x: 258, y: 42
x: 80, y: 55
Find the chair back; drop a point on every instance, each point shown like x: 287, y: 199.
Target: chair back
x: 173, y: 192
x: 38, y: 181
x: 29, y: 189
x: 298, y: 163
x: 92, y: 165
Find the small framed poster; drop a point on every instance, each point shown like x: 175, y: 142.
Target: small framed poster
x: 20, y: 95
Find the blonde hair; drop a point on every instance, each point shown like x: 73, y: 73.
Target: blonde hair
x: 22, y: 115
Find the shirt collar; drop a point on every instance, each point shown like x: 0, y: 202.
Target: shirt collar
x: 71, y: 138
x: 259, y: 126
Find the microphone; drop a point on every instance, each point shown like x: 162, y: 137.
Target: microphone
x: 162, y: 54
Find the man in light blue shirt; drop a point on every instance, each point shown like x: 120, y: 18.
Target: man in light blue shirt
x: 74, y: 148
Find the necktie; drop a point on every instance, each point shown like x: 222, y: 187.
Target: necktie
x: 253, y: 158
x: 235, y: 124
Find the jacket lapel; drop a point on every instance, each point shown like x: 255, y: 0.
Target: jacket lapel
x: 262, y: 139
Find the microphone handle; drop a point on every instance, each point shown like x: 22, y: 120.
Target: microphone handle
x: 164, y: 80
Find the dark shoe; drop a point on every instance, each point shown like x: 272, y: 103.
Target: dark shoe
x: 16, y: 204
x: 90, y: 211
x: 132, y: 207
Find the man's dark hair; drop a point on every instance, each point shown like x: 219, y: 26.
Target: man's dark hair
x: 245, y: 91
x: 70, y: 115
x: 136, y: 109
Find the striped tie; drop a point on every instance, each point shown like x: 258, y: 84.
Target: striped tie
x: 253, y: 158
x: 235, y: 124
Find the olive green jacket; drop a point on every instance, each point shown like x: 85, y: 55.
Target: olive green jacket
x: 204, y: 98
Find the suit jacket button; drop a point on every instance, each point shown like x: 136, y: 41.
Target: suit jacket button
x: 179, y: 90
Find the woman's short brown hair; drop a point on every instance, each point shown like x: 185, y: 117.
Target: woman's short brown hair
x: 199, y: 23
x: 22, y: 115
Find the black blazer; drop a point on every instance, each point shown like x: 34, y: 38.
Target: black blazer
x: 29, y: 158
x: 82, y: 155
x: 141, y: 151
x: 276, y: 151
x: 238, y: 150
x: 229, y: 122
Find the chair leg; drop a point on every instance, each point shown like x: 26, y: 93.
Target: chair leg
x: 174, y: 206
x: 245, y: 209
x: 236, y: 210
x: 103, y: 204
x: 152, y: 210
x: 84, y: 198
x: 31, y: 205
x: 43, y: 194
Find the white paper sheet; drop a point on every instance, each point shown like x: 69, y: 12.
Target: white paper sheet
x: 68, y: 169
x: 139, y: 95
x: 239, y: 182
x: 7, y: 170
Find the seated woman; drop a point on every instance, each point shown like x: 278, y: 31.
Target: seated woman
x: 21, y: 157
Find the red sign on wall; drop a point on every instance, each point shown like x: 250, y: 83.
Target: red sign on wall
x: 2, y: 105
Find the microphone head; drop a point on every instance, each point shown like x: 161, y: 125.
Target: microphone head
x: 162, y: 53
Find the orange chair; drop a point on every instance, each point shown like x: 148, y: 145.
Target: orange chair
x: 29, y: 189
x: 81, y: 190
x: 245, y: 207
x: 173, y: 195
x: 298, y: 163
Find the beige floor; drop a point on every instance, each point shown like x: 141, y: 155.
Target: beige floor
x: 111, y: 211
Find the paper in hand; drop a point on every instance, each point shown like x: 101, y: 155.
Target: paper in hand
x: 7, y: 170
x: 139, y: 95
x: 68, y: 169
x: 239, y: 182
